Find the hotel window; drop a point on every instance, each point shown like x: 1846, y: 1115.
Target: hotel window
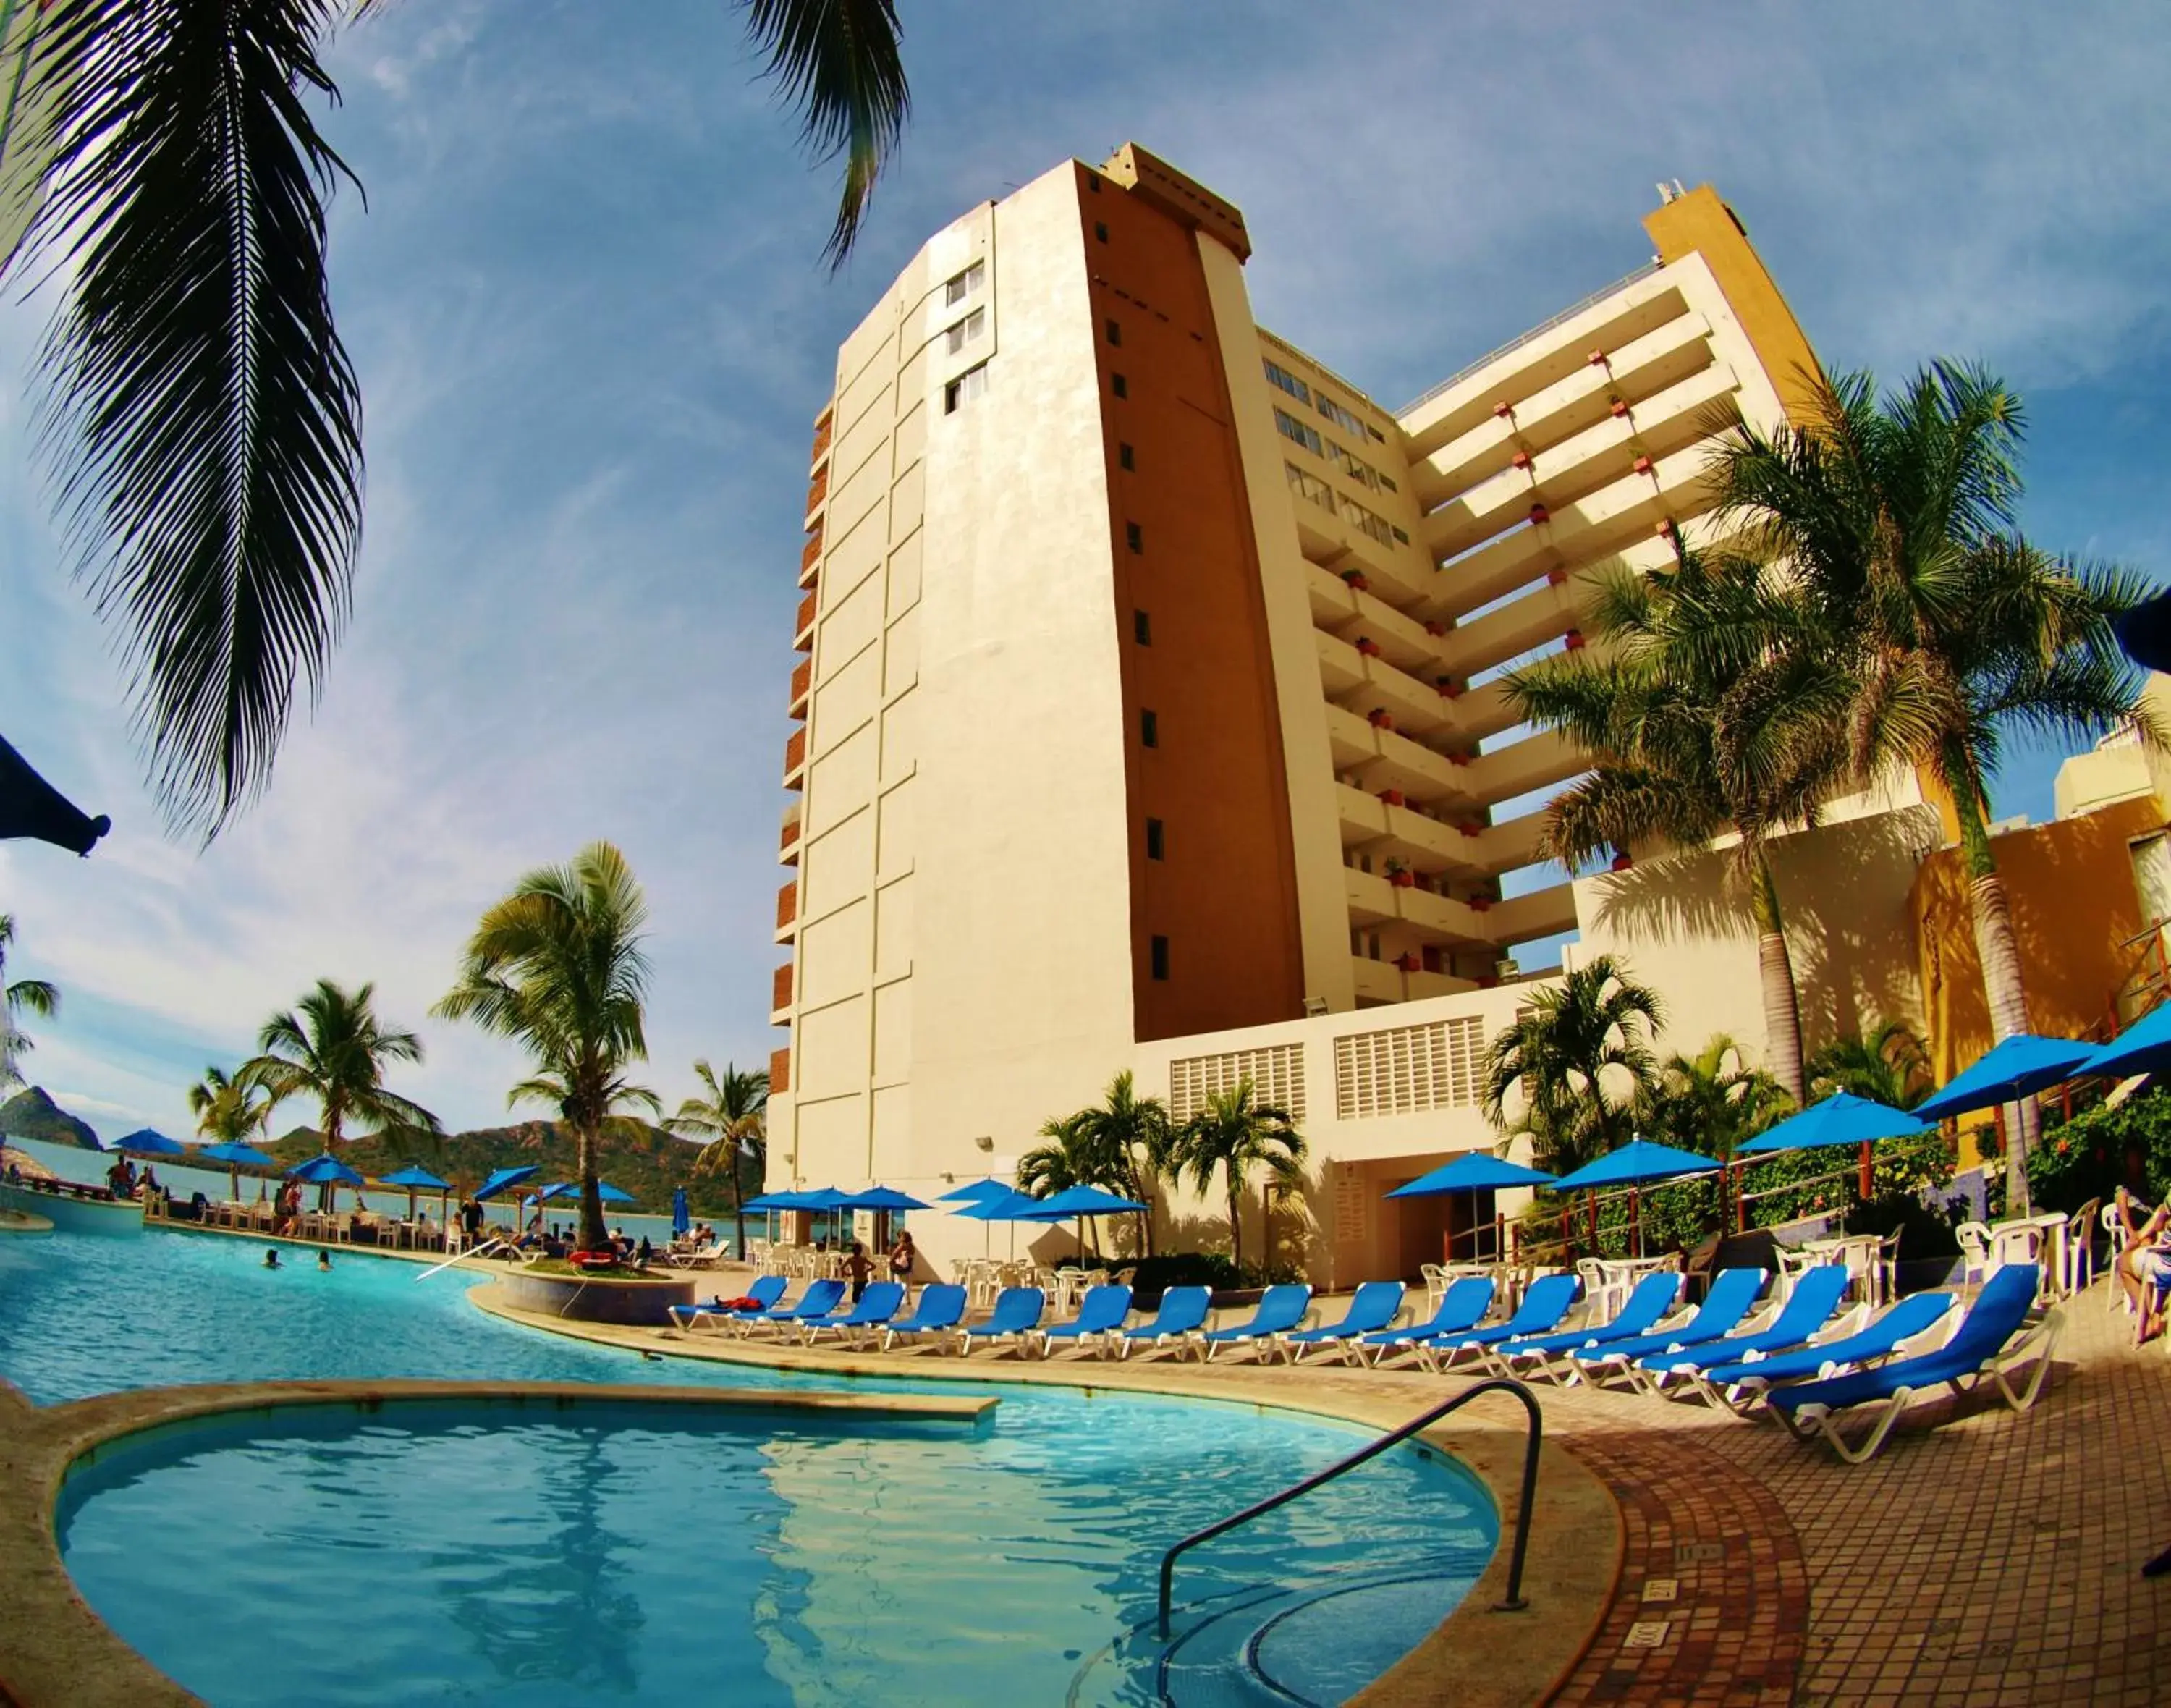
x: 1389, y: 484
x: 1134, y: 537
x: 1340, y: 417
x: 1142, y: 628
x: 1100, y: 231
x: 967, y: 330
x: 1149, y: 730
x: 1156, y: 842
x: 963, y: 285
x: 1125, y: 457
x: 1356, y: 468
x: 964, y: 389
x: 1366, y: 521
x: 1115, y: 332
x: 1378, y: 436
x: 1291, y: 429
x: 1309, y: 486
x: 1119, y: 386
x: 1160, y: 950
x: 1281, y: 377
x: 1400, y: 538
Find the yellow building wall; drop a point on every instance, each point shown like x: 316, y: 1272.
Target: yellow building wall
x: 2070, y: 885
x: 1699, y: 223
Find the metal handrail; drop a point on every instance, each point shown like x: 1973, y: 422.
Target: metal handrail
x: 1514, y: 1603
x: 1535, y: 332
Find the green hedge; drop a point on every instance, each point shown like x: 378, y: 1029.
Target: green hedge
x: 2101, y: 1149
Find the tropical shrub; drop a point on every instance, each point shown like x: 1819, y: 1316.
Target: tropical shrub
x: 2091, y: 1155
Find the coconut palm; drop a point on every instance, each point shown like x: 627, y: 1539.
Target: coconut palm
x: 557, y: 967
x: 731, y: 1117
x: 1132, y: 1141
x: 228, y: 1111
x: 1582, y: 1058
x: 1886, y: 1064
x: 1236, y: 1134
x: 205, y: 418
x: 25, y: 995
x: 1712, y: 1102
x: 1686, y: 746
x: 331, y: 1046
x: 1894, y: 524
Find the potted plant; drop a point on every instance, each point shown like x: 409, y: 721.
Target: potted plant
x: 1379, y: 719
x: 1368, y: 647
x: 1400, y: 875
x: 1393, y: 798
x: 1409, y: 962
x: 1354, y: 578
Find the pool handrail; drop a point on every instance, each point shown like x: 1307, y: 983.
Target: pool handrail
x: 1513, y: 1602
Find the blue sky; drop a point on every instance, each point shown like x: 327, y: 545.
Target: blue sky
x: 586, y: 304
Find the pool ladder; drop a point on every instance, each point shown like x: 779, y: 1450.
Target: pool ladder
x: 1512, y: 1603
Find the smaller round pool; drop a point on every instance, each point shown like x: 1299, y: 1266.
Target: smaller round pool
x: 456, y: 1553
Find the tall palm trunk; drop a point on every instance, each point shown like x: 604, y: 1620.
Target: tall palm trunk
x: 594, y: 1235
x: 2003, y: 990
x: 1775, y: 970
x: 738, y: 1203
x: 1236, y: 1218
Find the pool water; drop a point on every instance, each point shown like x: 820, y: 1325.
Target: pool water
x: 441, y: 1554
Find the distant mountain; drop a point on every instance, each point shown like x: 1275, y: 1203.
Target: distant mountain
x: 31, y: 1114
x: 641, y: 1159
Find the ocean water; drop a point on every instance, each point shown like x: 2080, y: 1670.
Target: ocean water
x: 483, y: 1557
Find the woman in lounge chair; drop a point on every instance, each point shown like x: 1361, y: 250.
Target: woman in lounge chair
x: 2144, y: 1267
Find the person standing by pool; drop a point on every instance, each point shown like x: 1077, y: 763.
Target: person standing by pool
x: 901, y: 1257
x: 858, y: 1267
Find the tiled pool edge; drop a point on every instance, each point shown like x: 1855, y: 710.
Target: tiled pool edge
x: 1485, y: 1659
x: 57, y: 1652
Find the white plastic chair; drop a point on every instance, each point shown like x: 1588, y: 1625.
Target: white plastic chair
x: 1435, y: 1285
x: 1974, y: 1237
x: 1888, y: 1266
x: 2080, y: 1248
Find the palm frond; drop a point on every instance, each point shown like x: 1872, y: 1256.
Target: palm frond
x: 202, y: 416
x: 839, y: 64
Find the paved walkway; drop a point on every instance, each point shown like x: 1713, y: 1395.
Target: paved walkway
x: 1994, y: 1560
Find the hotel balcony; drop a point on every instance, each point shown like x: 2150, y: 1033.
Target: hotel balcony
x: 802, y: 679
x: 787, y: 844
x: 1380, y: 982
x: 787, y: 912
x: 1542, y: 913
x: 1440, y: 920
x: 1332, y: 542
x: 780, y: 995
x: 809, y: 560
x: 1385, y: 760
x: 802, y: 626
x: 818, y: 491
x: 822, y: 428
x: 795, y: 759
x: 1544, y: 613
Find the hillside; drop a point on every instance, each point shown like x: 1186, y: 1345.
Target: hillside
x: 641, y: 1159
x: 31, y: 1114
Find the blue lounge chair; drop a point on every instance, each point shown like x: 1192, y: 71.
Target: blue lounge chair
x: 1372, y: 1307
x: 1654, y: 1296
x: 1462, y: 1307
x: 881, y: 1301
x: 942, y: 1308
x: 1103, y: 1310
x: 1280, y: 1308
x: 1183, y: 1311
x: 1978, y: 1351
x: 1733, y: 1293
x: 765, y: 1292
x: 1807, y: 1312
x: 820, y: 1299
x: 1016, y: 1314
x: 1544, y: 1304
x: 1741, y: 1385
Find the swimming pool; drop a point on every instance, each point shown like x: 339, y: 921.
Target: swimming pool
x: 326, y: 1557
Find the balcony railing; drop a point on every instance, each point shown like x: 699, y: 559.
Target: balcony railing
x: 1535, y: 332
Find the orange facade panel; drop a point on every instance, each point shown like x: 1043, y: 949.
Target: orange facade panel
x: 787, y: 905
x: 820, y: 439
x: 802, y: 678
x: 780, y: 992
x: 809, y: 553
x: 779, y: 1070
x: 794, y: 752
x: 818, y: 489
x: 802, y: 625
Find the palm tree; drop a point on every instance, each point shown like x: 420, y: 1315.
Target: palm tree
x: 1582, y: 1057
x: 25, y: 995
x: 1237, y: 1133
x: 227, y: 1111
x: 1134, y: 1139
x: 731, y: 1117
x: 331, y: 1046
x: 1887, y: 1065
x: 206, y: 419
x: 557, y: 967
x: 1712, y: 1102
x: 1075, y: 1155
x: 1894, y: 522
x: 1686, y: 746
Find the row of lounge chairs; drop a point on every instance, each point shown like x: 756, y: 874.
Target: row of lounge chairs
x: 1803, y: 1358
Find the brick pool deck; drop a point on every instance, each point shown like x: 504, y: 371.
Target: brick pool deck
x: 1991, y: 1560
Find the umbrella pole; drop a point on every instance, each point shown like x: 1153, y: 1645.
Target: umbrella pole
x: 1868, y: 1185
x: 1635, y: 1224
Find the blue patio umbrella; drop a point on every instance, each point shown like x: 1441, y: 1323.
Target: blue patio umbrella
x: 1012, y: 1206
x: 144, y: 1142
x: 681, y: 1218
x: 974, y: 1190
x: 1474, y: 1172
x: 1639, y: 1162
x: 324, y: 1170
x: 505, y: 1179
x: 417, y: 1179
x: 775, y: 1200
x: 1841, y: 1118
x: 885, y: 1198
x: 233, y: 1154
x: 1082, y: 1200
x: 2019, y: 1067
x: 572, y: 1188
x: 2144, y: 1047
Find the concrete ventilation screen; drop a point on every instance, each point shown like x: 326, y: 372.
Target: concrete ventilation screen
x: 1277, y: 1077
x: 1409, y: 1069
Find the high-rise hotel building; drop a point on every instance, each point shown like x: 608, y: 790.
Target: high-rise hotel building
x: 1149, y: 714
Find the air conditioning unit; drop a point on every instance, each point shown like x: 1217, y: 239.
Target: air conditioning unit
x: 1508, y: 969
